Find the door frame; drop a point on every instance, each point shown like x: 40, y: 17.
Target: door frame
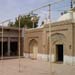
x: 57, y: 53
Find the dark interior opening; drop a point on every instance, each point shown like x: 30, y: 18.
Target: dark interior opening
x: 14, y: 48
x: 59, y: 52
x: 5, y: 48
x: 0, y: 48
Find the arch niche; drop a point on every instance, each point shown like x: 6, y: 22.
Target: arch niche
x: 33, y: 48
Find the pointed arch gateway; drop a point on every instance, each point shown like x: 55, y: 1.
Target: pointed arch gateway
x: 58, y: 46
x: 33, y: 48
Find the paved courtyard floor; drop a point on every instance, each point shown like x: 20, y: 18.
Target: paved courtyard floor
x: 34, y: 67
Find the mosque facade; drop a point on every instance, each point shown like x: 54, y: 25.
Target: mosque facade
x: 53, y: 42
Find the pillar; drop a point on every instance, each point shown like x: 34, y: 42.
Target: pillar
x: 8, y: 46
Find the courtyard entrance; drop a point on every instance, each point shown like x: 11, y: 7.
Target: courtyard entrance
x: 59, y: 53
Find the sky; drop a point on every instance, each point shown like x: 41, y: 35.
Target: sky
x: 9, y: 9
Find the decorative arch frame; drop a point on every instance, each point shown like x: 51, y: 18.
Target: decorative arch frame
x: 57, y: 38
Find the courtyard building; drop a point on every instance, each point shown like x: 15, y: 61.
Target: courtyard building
x: 38, y: 41
x: 10, y: 42
x: 53, y: 41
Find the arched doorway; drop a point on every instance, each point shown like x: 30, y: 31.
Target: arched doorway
x: 33, y: 49
x: 59, y: 52
x: 58, y: 47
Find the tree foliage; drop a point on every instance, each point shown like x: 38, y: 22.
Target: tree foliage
x: 25, y: 21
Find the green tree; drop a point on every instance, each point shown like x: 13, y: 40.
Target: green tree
x: 25, y: 21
